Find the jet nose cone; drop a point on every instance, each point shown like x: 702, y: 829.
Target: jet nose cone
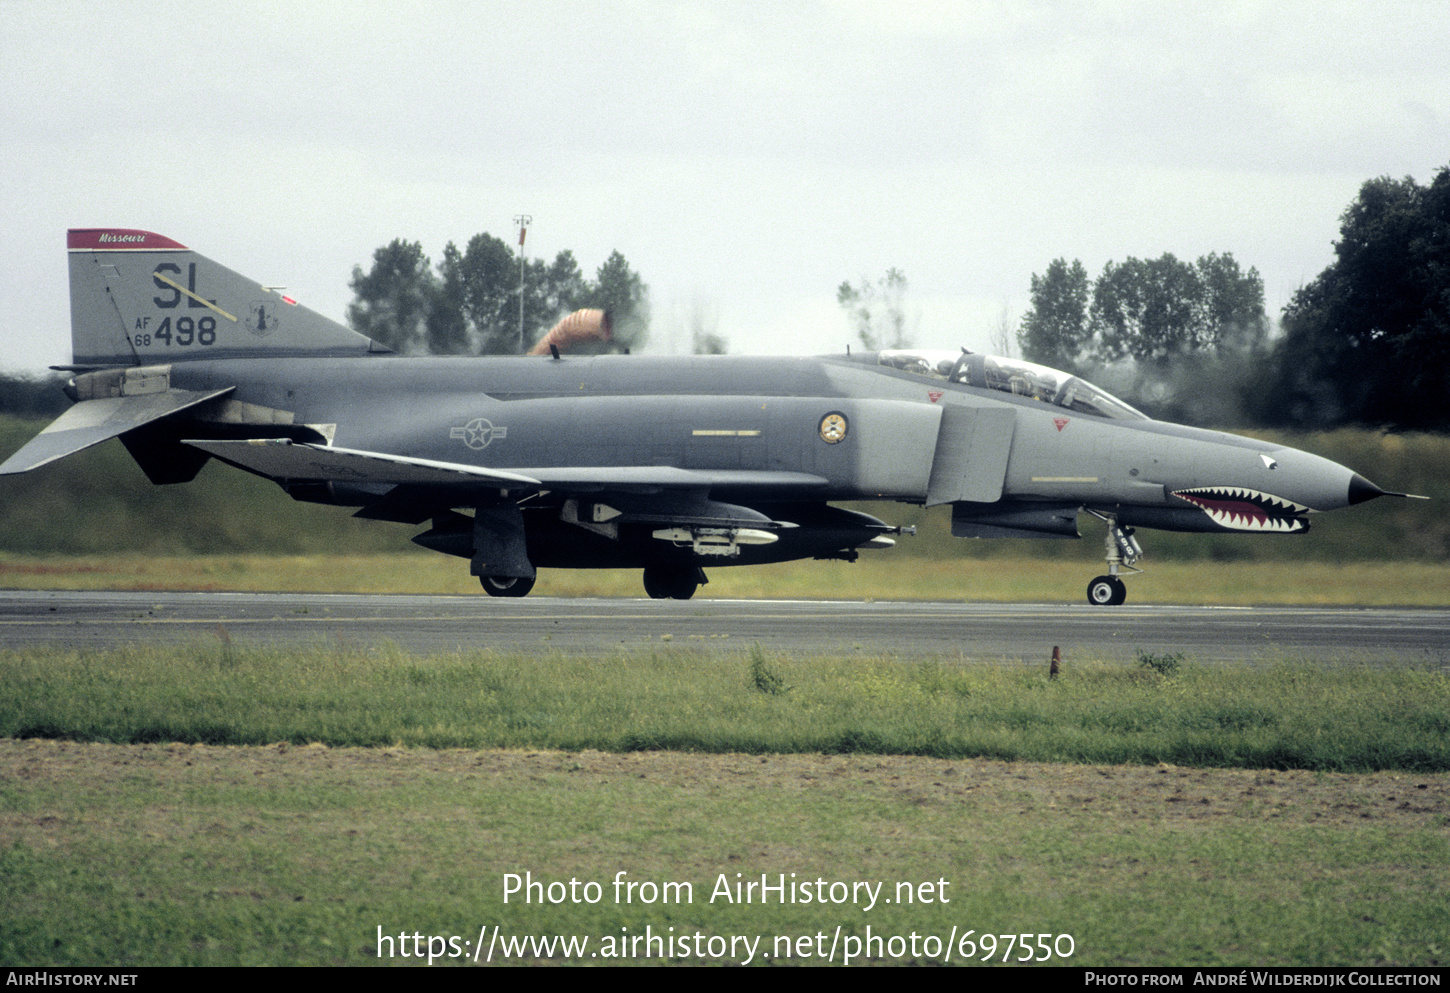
x: 1317, y: 483
x: 1361, y: 489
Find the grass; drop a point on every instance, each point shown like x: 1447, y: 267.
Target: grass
x: 875, y: 577
x: 204, y: 855
x: 1284, y: 716
x: 205, y: 804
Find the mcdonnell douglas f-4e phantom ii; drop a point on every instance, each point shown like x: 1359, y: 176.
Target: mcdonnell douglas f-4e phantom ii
x: 617, y: 461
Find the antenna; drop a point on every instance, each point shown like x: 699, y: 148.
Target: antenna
x: 523, y: 221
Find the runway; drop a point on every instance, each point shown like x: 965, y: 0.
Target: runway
x: 907, y: 630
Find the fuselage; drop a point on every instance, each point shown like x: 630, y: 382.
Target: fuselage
x: 902, y: 437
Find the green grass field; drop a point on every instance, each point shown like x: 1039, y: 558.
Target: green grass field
x: 204, y: 855
x: 1086, y: 807
x: 221, y: 803
x: 1284, y: 715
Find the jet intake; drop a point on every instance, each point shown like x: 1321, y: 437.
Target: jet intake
x: 1014, y: 519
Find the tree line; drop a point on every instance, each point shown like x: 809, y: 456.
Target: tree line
x: 1366, y: 342
x: 1173, y: 337
x: 1149, y: 311
x: 469, y: 304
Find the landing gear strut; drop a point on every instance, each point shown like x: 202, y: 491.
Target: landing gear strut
x: 672, y: 583
x: 1122, y: 551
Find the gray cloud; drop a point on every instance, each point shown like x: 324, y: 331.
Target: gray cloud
x: 753, y: 155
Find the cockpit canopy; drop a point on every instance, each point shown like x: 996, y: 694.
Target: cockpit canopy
x: 1024, y: 379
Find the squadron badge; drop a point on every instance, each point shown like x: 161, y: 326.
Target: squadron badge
x: 262, y: 318
x: 833, y: 428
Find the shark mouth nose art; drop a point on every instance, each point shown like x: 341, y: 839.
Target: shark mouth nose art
x: 1238, y: 509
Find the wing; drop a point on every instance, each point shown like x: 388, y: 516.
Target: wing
x: 410, y: 489
x: 661, y: 477
x: 284, y: 459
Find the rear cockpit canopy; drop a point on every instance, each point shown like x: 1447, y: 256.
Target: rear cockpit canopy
x: 1024, y: 379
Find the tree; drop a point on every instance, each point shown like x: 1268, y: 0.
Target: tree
x: 489, y: 275
x: 448, y: 332
x: 705, y: 336
x: 1368, y: 340
x: 876, y: 311
x: 1149, y: 311
x: 709, y: 343
x: 1185, y: 338
x: 27, y: 395
x: 395, y: 297
x: 1182, y: 340
x: 618, y: 289
x: 1055, y: 329
x: 557, y: 288
x: 1002, y: 333
x: 1235, y: 303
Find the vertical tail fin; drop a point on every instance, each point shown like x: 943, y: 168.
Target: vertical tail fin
x: 139, y: 298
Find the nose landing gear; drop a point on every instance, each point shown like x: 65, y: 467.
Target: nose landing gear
x: 1122, y: 551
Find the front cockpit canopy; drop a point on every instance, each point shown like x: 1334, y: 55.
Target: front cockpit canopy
x: 1024, y: 379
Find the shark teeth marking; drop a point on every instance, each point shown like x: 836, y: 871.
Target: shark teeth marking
x: 1236, y: 508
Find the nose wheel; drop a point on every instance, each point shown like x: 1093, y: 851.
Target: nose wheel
x: 1122, y: 551
x: 1107, y: 591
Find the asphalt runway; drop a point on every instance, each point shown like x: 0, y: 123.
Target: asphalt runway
x: 968, y: 632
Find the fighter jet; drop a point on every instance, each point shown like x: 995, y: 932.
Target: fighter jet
x: 663, y: 464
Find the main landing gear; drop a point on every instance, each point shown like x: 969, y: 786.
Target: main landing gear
x: 673, y: 582
x: 506, y: 585
x: 1122, y: 551
x: 660, y: 582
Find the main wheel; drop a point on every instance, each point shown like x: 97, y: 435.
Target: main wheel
x: 506, y: 585
x: 670, y: 584
x: 1107, y: 591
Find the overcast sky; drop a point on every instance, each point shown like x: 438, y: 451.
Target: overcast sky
x: 745, y: 157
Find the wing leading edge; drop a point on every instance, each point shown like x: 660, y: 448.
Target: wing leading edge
x: 285, y: 459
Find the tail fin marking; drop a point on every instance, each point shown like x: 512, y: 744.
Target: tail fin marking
x: 139, y: 298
